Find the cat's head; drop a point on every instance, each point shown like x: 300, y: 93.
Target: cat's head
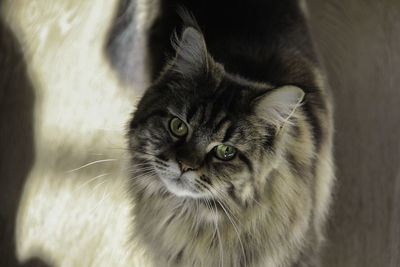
x: 200, y: 132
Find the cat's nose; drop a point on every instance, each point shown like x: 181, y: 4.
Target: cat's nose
x: 186, y: 167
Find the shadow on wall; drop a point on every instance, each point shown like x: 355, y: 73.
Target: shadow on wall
x: 16, y: 140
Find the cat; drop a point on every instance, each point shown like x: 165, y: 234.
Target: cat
x: 231, y: 144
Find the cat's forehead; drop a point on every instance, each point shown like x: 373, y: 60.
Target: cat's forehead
x: 230, y: 95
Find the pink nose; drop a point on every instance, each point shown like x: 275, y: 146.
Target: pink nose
x: 185, y: 167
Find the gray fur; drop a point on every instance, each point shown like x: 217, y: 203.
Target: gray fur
x: 267, y: 206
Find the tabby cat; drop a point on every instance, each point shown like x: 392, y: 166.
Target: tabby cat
x: 231, y: 145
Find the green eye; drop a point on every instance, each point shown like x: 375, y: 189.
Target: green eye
x: 224, y: 152
x: 178, y: 127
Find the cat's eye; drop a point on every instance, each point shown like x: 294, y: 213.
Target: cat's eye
x: 224, y: 152
x: 178, y: 127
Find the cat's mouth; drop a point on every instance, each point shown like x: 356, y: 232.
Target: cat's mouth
x: 180, y: 183
x: 183, y: 185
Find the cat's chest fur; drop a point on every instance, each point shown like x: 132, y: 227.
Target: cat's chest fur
x: 196, y: 233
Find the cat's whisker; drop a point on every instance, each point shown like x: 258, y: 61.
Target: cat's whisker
x: 215, y: 233
x: 91, y: 163
x: 141, y: 172
x: 90, y: 180
x: 236, y: 230
x: 231, y: 220
x: 140, y: 164
x: 99, y: 184
x: 145, y: 172
x: 197, y: 210
x: 221, y: 251
x: 144, y: 175
x: 139, y: 167
x: 142, y: 152
x: 258, y: 203
x: 221, y: 195
x: 99, y: 203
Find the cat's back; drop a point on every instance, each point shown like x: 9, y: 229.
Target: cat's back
x: 243, y: 35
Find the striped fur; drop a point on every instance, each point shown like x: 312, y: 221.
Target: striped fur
x: 266, y: 206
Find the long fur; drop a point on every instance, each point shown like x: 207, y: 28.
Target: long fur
x: 265, y: 207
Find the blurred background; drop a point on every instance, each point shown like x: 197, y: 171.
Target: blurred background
x: 63, y: 110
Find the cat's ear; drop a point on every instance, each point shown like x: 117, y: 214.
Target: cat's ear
x: 191, y: 53
x: 279, y: 105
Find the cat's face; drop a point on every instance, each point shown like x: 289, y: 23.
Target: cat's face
x: 200, y: 144
x: 201, y: 133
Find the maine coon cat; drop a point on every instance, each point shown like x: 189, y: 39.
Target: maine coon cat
x: 231, y: 144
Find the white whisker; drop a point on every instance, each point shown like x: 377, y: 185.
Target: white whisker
x: 97, y: 185
x: 91, y: 163
x: 221, y: 251
x: 147, y: 173
x: 255, y: 201
x: 207, y: 203
x: 91, y: 180
x: 98, y: 204
x: 236, y: 230
x: 222, y: 195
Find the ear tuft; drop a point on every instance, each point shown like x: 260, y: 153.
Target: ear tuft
x: 191, y: 53
x: 280, y: 104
